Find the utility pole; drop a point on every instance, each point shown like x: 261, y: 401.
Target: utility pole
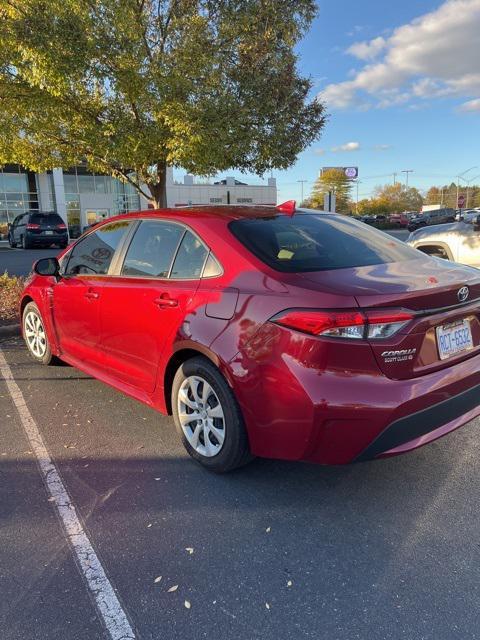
x: 302, y: 182
x: 356, y: 206
x: 395, y: 179
x: 406, y: 172
x: 460, y: 177
x: 469, y: 182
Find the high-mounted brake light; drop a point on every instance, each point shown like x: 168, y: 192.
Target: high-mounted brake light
x: 31, y: 225
x: 352, y: 324
x: 288, y: 207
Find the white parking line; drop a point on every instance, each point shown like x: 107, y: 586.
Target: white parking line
x: 103, y: 593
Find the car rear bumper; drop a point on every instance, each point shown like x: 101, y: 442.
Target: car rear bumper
x: 44, y: 240
x: 351, y: 412
x: 424, y: 426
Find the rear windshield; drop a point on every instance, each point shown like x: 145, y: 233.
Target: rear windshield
x: 318, y: 242
x: 45, y: 218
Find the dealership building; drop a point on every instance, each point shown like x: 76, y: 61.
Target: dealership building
x: 82, y: 197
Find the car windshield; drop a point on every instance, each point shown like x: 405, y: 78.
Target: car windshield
x: 317, y: 242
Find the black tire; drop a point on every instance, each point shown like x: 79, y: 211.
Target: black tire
x: 25, y: 243
x: 46, y: 358
x: 235, y: 451
x: 11, y: 242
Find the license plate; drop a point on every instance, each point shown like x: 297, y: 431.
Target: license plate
x: 48, y: 233
x: 454, y: 338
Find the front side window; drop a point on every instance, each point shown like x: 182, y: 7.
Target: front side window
x: 94, y: 253
x: 190, y: 258
x: 152, y: 249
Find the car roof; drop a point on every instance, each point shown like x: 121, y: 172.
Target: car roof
x: 225, y: 213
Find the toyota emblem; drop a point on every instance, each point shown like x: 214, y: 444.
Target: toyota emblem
x: 463, y: 293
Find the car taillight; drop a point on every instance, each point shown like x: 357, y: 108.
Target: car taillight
x: 31, y: 225
x: 356, y: 325
x: 61, y: 226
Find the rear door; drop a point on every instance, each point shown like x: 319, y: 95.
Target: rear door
x: 77, y: 295
x: 145, y: 304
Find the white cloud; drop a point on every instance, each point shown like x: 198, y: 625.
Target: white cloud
x: 435, y: 55
x: 368, y: 50
x: 382, y: 147
x: 319, y: 152
x: 348, y: 146
x: 471, y: 106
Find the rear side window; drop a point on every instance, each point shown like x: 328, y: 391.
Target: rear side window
x: 152, y: 249
x: 190, y: 258
x: 94, y: 253
x: 50, y: 218
x: 318, y: 242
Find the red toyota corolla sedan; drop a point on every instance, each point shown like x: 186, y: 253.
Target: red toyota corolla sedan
x: 266, y: 332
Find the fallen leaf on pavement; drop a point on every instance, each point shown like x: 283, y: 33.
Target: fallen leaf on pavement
x: 172, y: 589
x: 268, y: 529
x: 190, y: 550
x: 157, y: 579
x: 267, y: 605
x: 187, y: 604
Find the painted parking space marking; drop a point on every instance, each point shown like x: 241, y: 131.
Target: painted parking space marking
x: 101, y: 589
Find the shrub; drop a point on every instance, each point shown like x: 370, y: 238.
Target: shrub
x: 11, y: 288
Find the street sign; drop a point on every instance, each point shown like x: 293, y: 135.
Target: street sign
x: 350, y: 172
x: 461, y: 201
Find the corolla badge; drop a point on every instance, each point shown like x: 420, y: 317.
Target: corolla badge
x: 463, y: 293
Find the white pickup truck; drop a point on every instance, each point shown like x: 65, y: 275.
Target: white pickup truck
x: 458, y: 242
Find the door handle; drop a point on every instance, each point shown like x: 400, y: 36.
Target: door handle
x: 92, y: 295
x: 166, y: 301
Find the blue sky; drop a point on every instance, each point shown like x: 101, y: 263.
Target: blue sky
x: 402, y: 85
x: 429, y: 130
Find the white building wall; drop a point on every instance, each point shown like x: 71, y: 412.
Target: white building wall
x: 179, y: 195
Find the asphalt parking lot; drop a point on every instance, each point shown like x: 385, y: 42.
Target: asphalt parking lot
x: 18, y: 262
x: 386, y: 549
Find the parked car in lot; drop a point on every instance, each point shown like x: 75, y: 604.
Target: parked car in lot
x: 35, y: 229
x: 427, y: 218
x: 376, y: 219
x: 402, y: 219
x: 458, y: 242
x: 467, y: 215
x: 266, y: 331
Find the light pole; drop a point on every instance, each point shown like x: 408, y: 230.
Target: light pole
x: 356, y: 206
x: 460, y: 177
x: 406, y: 172
x: 469, y: 182
x: 302, y: 182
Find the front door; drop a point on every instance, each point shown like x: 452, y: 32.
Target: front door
x: 146, y: 303
x: 77, y: 296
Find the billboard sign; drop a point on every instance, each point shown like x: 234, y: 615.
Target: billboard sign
x: 350, y: 172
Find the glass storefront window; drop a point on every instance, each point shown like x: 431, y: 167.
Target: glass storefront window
x: 14, y: 182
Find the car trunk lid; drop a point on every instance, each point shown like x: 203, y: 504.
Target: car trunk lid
x: 428, y: 287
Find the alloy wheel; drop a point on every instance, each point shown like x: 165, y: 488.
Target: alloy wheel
x: 35, y: 334
x: 201, y: 416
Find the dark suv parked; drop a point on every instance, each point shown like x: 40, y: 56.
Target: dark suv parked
x: 35, y: 229
x: 428, y: 218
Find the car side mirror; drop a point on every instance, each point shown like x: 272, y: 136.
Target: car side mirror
x: 47, y: 267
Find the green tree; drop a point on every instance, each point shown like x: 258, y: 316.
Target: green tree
x: 332, y: 180
x: 434, y: 196
x: 399, y: 197
x: 133, y: 86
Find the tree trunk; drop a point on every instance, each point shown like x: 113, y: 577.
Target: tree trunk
x: 159, y: 189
